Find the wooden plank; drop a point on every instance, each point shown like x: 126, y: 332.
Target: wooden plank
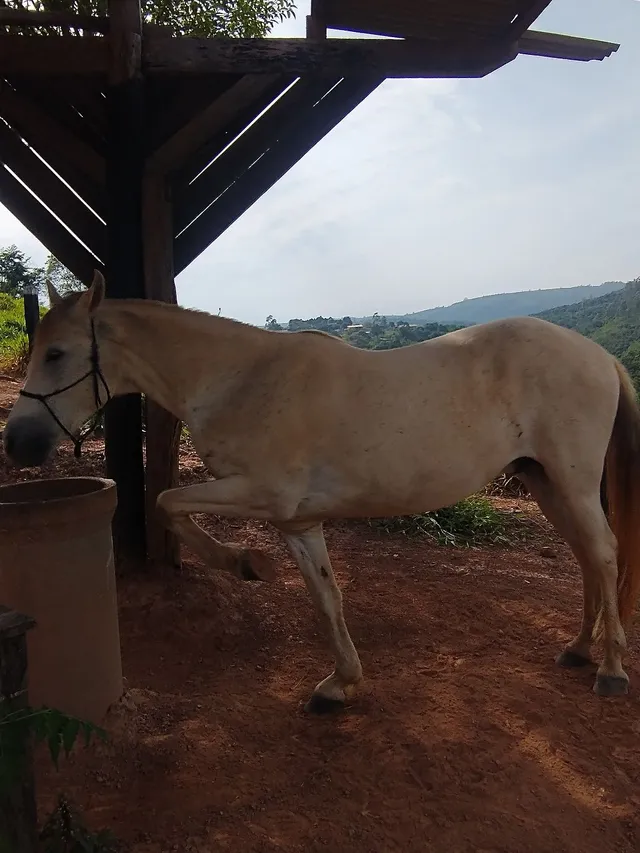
x: 172, y: 102
x: 15, y: 154
x: 18, y: 815
x: 125, y: 164
x: 191, y: 200
x: 177, y: 150
x: 163, y: 429
x: 552, y: 46
x: 436, y: 21
x: 309, y: 128
x: 529, y: 11
x: 54, y: 98
x: 66, y: 20
x: 334, y: 57
x: 201, y: 159
x: 53, y: 56
x: 77, y: 163
x: 45, y: 227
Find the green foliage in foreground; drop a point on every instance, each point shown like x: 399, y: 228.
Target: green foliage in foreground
x: 472, y: 521
x: 63, y: 832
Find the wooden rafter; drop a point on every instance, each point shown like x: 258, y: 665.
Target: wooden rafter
x: 77, y: 163
x: 66, y: 20
x: 53, y: 56
x: 531, y: 11
x: 333, y: 57
x: 308, y: 128
x: 191, y: 200
x: 176, y: 152
x: 236, y: 125
x: 45, y: 227
x: 52, y: 191
x: 56, y: 102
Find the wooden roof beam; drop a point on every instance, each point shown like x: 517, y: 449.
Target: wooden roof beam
x: 65, y: 20
x: 531, y: 11
x: 311, y: 126
x: 174, y: 154
x: 332, y: 57
x: 554, y: 46
x: 190, y: 199
x: 77, y: 163
x: 45, y: 227
x: 21, y: 159
x: 53, y: 56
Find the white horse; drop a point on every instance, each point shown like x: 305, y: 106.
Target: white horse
x: 299, y: 428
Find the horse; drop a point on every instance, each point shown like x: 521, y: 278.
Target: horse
x: 299, y: 428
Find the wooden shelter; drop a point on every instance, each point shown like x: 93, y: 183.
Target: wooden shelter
x: 126, y: 148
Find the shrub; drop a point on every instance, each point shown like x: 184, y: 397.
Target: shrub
x: 472, y: 521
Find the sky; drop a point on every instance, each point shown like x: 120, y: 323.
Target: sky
x: 432, y: 191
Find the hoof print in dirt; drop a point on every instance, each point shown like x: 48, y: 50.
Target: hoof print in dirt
x: 572, y: 660
x: 611, y: 685
x: 323, y: 705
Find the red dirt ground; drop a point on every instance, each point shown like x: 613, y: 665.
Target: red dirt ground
x: 464, y: 739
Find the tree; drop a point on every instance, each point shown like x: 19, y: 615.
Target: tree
x: 272, y: 324
x: 236, y: 18
x: 16, y: 273
x: 60, y: 277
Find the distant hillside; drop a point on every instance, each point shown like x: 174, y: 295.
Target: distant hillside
x: 499, y: 305
x: 612, y: 320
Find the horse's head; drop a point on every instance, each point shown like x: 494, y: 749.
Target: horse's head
x: 64, y: 386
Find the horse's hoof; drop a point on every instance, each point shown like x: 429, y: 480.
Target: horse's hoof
x: 253, y: 565
x: 611, y: 685
x: 572, y: 660
x: 319, y: 704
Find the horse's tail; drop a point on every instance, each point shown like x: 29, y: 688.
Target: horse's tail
x: 620, y: 495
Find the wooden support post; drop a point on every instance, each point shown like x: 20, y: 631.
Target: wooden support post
x: 18, y: 816
x: 163, y: 429
x: 31, y: 311
x: 125, y: 276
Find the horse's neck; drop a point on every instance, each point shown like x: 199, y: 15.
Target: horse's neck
x: 170, y: 354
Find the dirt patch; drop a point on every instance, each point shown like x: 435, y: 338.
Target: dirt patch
x: 464, y: 738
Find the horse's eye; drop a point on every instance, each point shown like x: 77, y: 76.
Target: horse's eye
x: 53, y: 354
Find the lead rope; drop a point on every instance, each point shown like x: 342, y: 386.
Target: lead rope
x: 96, y: 374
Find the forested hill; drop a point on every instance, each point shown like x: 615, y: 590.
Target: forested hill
x: 612, y: 320
x: 499, y: 305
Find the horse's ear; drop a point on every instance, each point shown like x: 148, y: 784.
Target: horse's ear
x: 93, y: 296
x: 54, y: 296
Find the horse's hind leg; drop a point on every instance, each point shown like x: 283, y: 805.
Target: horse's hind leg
x: 309, y: 550
x: 578, y: 516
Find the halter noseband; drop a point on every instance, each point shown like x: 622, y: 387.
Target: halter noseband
x: 96, y: 374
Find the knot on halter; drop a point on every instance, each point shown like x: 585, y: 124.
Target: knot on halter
x: 96, y: 375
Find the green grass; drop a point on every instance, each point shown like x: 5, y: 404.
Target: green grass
x: 14, y: 345
x: 472, y: 521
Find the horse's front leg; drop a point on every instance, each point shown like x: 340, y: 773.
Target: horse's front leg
x: 310, y: 553
x: 230, y: 497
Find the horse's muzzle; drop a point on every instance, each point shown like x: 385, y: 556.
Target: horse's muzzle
x: 28, y: 442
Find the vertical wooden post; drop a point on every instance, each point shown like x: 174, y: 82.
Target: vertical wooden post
x: 18, y: 816
x: 125, y: 162
x: 163, y: 430
x: 31, y: 311
x: 316, y: 26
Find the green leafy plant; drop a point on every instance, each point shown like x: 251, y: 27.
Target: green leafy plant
x: 236, y: 18
x: 65, y: 832
x: 472, y: 521
x: 59, y: 731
